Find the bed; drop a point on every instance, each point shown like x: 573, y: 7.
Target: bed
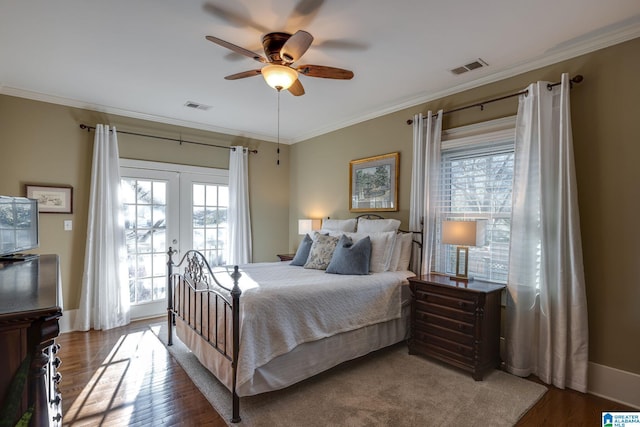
x: 264, y: 326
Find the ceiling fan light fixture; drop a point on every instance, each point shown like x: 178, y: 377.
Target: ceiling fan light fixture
x: 279, y: 77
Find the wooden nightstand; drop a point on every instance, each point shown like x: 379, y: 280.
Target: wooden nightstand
x: 286, y: 257
x: 456, y: 322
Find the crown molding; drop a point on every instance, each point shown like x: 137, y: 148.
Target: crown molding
x: 625, y: 31
x: 52, y: 99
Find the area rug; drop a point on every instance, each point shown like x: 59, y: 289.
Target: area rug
x: 386, y: 388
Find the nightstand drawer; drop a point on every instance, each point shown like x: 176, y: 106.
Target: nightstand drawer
x: 462, y: 302
x: 449, y: 356
x: 444, y: 311
x: 443, y: 332
x: 464, y: 350
x: 445, y: 322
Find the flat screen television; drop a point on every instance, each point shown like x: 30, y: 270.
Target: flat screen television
x: 18, y: 227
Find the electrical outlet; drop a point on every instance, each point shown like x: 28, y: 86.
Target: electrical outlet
x: 68, y: 225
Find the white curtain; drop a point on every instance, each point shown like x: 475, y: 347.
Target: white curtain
x: 239, y: 218
x: 547, y: 333
x: 104, y: 301
x: 425, y: 174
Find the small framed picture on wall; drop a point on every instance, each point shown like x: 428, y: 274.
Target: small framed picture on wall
x: 52, y: 199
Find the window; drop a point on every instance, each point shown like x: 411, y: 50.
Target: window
x: 476, y: 180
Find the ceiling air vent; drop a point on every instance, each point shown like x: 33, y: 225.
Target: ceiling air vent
x: 197, y: 106
x: 479, y: 63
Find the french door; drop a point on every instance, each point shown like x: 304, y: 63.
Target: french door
x: 166, y: 205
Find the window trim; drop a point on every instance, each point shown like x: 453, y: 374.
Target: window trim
x: 173, y: 167
x: 478, y: 132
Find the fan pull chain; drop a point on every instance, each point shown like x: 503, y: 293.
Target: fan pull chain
x: 278, y: 149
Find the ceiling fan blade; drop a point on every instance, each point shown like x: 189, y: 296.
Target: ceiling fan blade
x: 243, y: 75
x: 296, y: 88
x: 303, y: 13
x: 237, y: 49
x: 236, y: 19
x: 296, y: 46
x: 325, y: 72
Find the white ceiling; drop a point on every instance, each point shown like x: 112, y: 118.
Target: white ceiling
x: 147, y: 58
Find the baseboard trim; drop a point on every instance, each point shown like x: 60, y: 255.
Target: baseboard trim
x: 67, y: 321
x: 614, y: 384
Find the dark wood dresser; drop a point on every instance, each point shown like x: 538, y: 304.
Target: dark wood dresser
x: 30, y: 306
x: 456, y: 322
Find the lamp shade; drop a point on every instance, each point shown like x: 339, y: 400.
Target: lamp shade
x: 279, y: 77
x: 463, y: 233
x: 306, y: 226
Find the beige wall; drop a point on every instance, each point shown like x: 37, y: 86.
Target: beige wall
x: 42, y: 143
x: 606, y: 129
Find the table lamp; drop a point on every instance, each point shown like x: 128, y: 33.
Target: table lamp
x: 308, y: 226
x: 462, y: 234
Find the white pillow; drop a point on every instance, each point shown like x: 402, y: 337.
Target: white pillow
x: 405, y: 251
x: 395, y: 255
x: 381, y: 248
x: 377, y: 225
x: 334, y: 233
x: 348, y: 225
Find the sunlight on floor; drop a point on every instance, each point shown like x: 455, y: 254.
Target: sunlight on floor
x: 113, y: 392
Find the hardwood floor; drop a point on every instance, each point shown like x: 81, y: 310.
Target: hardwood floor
x: 126, y: 376
x: 568, y: 408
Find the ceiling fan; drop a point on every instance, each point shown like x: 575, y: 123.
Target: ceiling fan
x: 282, y: 50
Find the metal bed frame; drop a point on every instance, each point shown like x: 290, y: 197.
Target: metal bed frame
x: 186, y: 300
x: 191, y: 295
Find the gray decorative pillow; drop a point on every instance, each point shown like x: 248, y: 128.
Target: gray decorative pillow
x: 351, y: 258
x: 303, y: 251
x: 321, y: 251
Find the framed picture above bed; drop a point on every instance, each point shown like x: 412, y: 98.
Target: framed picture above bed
x: 373, y: 183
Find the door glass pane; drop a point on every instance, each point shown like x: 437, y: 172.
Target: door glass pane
x: 212, y: 194
x: 198, y: 216
x: 198, y: 195
x: 160, y: 241
x: 223, y: 194
x: 143, y: 191
x: 198, y: 238
x: 159, y: 193
x: 144, y: 209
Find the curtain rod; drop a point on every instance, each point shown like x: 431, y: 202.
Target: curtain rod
x: 577, y: 79
x: 181, y: 141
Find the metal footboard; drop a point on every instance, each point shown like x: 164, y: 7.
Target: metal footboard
x: 195, y: 295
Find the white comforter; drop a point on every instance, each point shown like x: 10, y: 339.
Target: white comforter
x: 283, y: 306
